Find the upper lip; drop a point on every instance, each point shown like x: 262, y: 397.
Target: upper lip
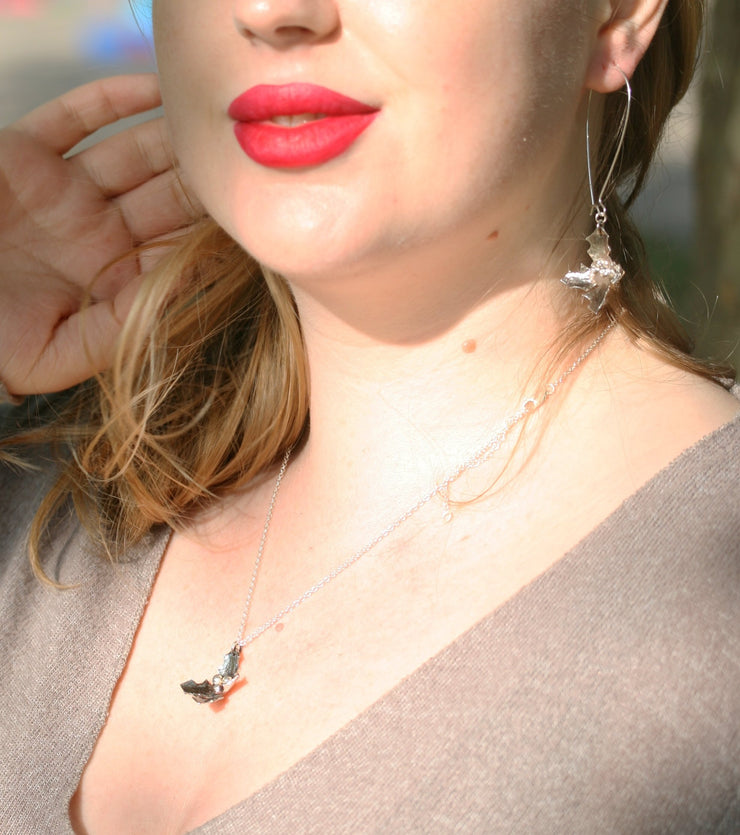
x: 265, y: 101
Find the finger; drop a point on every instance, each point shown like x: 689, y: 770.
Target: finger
x: 62, y: 123
x: 83, y: 344
x: 157, y: 207
x: 127, y: 159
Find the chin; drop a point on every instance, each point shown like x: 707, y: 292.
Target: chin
x: 306, y: 264
x: 307, y: 243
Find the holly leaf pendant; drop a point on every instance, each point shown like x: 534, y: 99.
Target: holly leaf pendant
x: 595, y: 281
x: 208, y: 691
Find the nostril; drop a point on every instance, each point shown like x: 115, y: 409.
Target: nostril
x: 283, y: 34
x: 293, y: 31
x: 291, y: 35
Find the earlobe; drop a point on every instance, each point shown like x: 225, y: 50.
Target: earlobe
x: 622, y: 41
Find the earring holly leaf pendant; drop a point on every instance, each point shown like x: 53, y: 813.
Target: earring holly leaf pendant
x: 595, y: 281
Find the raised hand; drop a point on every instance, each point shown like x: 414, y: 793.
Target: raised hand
x: 63, y: 218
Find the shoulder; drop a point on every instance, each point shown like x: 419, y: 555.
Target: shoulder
x: 674, y: 544
x: 636, y: 416
x: 694, y: 501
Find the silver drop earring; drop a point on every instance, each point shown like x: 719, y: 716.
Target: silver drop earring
x: 594, y: 282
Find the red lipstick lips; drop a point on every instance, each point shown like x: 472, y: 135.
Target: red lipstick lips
x: 324, y: 124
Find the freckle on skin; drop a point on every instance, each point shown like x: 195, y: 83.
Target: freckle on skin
x: 493, y: 235
x: 469, y: 346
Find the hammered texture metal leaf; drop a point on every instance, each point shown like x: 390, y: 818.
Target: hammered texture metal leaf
x: 595, y: 281
x: 205, y: 692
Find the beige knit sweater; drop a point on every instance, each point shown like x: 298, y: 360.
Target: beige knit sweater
x: 603, y: 698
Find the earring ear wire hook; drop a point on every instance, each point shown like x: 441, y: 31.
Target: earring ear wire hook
x: 598, y: 205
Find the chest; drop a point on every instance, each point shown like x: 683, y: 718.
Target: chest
x: 165, y: 763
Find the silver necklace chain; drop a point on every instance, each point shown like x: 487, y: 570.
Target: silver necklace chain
x: 227, y: 674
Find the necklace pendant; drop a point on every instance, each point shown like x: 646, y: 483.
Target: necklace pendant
x: 206, y: 692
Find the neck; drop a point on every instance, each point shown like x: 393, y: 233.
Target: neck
x: 417, y: 357
x: 400, y: 411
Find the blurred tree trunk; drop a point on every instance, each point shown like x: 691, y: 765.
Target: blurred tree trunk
x: 718, y: 176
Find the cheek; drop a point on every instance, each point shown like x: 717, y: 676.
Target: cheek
x: 190, y: 39
x: 504, y: 94
x: 190, y: 83
x: 484, y: 99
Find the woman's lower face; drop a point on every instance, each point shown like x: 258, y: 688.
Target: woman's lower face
x: 328, y: 136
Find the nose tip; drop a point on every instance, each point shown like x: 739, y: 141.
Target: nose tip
x: 285, y: 23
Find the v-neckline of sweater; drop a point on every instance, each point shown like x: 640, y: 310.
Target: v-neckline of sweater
x: 567, y: 564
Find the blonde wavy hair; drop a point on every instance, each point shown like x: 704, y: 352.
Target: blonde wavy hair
x: 210, y: 381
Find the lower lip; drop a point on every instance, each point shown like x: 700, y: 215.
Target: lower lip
x: 312, y: 143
